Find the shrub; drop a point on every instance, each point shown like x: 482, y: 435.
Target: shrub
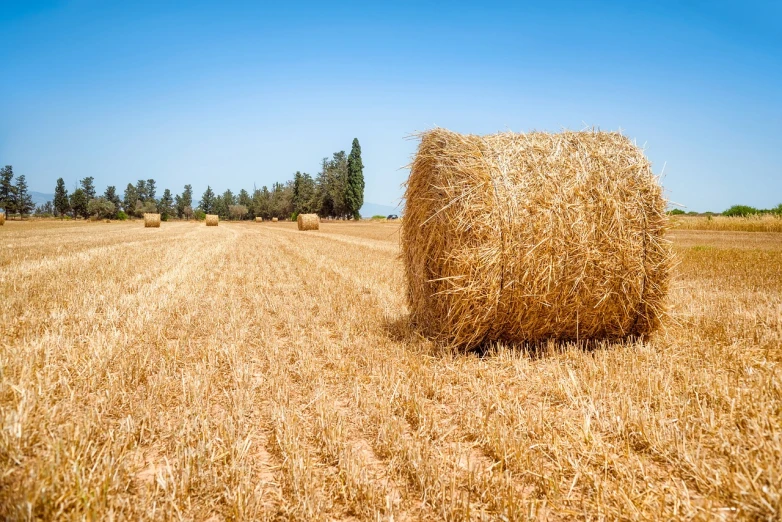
x: 200, y: 215
x: 294, y: 216
x: 122, y: 216
x: 378, y: 216
x: 740, y: 211
x: 676, y: 212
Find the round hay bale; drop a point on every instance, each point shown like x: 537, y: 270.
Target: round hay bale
x: 2, y: 218
x: 151, y: 220
x: 212, y: 220
x: 259, y: 220
x: 274, y: 220
x: 308, y: 222
x: 524, y: 237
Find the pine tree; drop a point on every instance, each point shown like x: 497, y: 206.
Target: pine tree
x: 111, y: 195
x: 141, y: 190
x: 184, y: 203
x: 24, y: 201
x: 6, y: 188
x: 354, y: 188
x: 166, y: 205
x: 130, y: 199
x: 151, y: 190
x: 208, y: 200
x: 61, y: 202
x: 80, y: 203
x: 88, y: 186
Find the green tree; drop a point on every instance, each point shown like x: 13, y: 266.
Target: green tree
x: 262, y: 203
x: 79, y: 203
x: 246, y: 201
x: 151, y: 190
x: 184, y: 202
x: 223, y: 203
x: 24, y: 201
x: 166, y: 205
x: 208, y: 201
x: 141, y: 190
x: 61, y: 203
x: 740, y: 211
x: 88, y: 186
x: 7, y: 188
x: 111, y: 195
x: 130, y: 199
x: 237, y: 211
x: 354, y: 187
x: 101, y: 207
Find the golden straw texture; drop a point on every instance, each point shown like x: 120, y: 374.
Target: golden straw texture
x: 308, y: 222
x: 212, y: 220
x: 151, y: 220
x: 258, y: 219
x: 2, y: 218
x: 524, y: 237
x: 274, y: 220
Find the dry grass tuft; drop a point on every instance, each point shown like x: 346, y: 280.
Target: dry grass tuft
x: 308, y: 222
x: 212, y: 220
x: 151, y: 220
x: 523, y: 237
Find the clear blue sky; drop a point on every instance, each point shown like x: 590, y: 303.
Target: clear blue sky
x: 233, y: 94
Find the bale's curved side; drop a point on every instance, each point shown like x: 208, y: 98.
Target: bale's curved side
x: 274, y: 220
x: 259, y: 220
x: 308, y: 222
x: 2, y: 218
x: 523, y: 237
x: 212, y: 220
x: 151, y: 220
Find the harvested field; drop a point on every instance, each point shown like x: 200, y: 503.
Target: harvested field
x: 183, y: 392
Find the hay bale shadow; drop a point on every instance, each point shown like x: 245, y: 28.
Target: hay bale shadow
x: 402, y: 330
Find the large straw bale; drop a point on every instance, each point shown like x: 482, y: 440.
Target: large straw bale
x: 2, y: 218
x: 525, y: 237
x: 308, y: 222
x: 151, y: 220
x: 212, y: 220
x: 274, y: 220
x: 259, y: 220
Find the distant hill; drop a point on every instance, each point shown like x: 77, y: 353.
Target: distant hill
x: 373, y: 209
x: 39, y: 198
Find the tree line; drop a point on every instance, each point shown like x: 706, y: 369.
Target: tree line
x: 337, y: 191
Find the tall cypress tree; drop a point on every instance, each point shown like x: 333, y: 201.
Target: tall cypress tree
x: 61, y: 203
x: 354, y: 189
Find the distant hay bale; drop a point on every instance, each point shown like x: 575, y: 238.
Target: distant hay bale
x: 211, y: 220
x: 258, y: 219
x: 524, y: 237
x: 308, y: 222
x: 274, y: 220
x: 151, y: 220
x: 2, y: 218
